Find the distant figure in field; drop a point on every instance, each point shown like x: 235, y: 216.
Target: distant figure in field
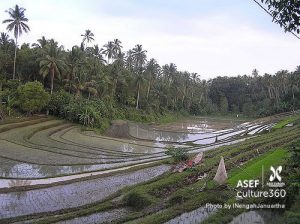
x: 237, y: 115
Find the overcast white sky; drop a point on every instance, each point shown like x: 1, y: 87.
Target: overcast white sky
x: 210, y: 37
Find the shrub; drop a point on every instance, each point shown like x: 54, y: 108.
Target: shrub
x: 32, y: 97
x: 89, y: 116
x: 137, y: 200
x: 57, y: 101
x: 178, y: 154
x: 180, y: 197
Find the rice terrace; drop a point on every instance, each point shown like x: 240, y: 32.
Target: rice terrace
x: 52, y: 170
x: 95, y: 133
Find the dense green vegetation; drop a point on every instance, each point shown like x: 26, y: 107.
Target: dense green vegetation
x: 90, y: 84
x: 286, y: 13
x: 178, y: 154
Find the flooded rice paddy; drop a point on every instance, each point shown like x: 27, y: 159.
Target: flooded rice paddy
x: 71, y: 195
x: 45, y: 151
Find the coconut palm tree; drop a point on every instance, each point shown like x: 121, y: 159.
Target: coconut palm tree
x: 88, y: 37
x: 195, y: 79
x: 139, y: 81
x: 109, y: 50
x: 152, y: 71
x: 51, y: 62
x: 97, y: 53
x: 169, y: 72
x: 73, y: 62
x: 139, y: 59
x: 186, y: 86
x: 41, y: 43
x: 17, y: 24
x: 117, y: 46
x: 129, y: 60
x: 5, y: 42
x: 139, y: 56
x: 4, y: 39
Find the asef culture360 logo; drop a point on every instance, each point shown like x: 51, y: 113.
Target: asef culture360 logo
x: 275, y: 178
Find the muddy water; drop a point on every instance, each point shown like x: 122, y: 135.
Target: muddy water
x: 72, y: 195
x: 193, y: 217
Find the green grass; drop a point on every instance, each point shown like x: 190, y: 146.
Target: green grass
x: 286, y: 121
x: 253, y: 169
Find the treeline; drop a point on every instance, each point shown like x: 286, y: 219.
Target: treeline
x: 121, y: 80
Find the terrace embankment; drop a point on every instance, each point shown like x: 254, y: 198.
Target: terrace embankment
x: 118, y: 129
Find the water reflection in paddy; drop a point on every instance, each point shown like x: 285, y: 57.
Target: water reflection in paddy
x: 14, y: 169
x: 199, y: 138
x: 73, y: 194
x: 140, y: 132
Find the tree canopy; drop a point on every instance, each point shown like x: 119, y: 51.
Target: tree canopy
x: 96, y: 82
x: 284, y: 12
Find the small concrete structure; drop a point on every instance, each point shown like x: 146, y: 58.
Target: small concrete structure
x: 221, y: 175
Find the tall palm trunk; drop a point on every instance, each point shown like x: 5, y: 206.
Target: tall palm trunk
x: 114, y: 87
x: 293, y: 100
x: 149, y: 86
x: 15, y: 58
x: 138, y: 97
x: 200, y: 98
x: 52, y: 79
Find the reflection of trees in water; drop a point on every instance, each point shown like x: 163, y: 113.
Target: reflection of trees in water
x: 126, y: 148
x: 78, y: 169
x: 6, y: 168
x: 19, y: 194
x: 142, y: 132
x: 11, y: 168
x: 19, y: 183
x: 170, y: 136
x: 47, y: 171
x: 18, y: 170
x: 50, y: 171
